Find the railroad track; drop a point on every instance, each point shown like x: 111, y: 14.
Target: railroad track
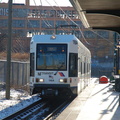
x: 56, y: 111
x: 41, y: 110
x: 27, y: 112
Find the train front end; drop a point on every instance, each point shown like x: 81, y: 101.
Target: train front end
x: 49, y: 66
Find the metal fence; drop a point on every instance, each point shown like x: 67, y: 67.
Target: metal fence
x: 19, y: 75
x: 102, y: 69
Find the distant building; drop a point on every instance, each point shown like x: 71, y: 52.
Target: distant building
x: 29, y: 20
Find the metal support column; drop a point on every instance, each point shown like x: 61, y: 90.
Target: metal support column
x: 9, y: 49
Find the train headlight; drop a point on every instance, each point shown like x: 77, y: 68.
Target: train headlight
x: 39, y: 80
x: 61, y: 80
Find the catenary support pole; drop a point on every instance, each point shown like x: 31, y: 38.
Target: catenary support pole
x: 9, y: 49
x: 119, y: 99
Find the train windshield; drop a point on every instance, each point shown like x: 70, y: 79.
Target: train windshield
x: 51, y: 57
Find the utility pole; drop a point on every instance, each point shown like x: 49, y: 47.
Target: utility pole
x: 9, y: 49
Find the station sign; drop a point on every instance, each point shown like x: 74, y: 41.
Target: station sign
x: 4, y: 11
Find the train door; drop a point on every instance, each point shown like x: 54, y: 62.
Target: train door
x: 32, y: 64
x: 73, y: 65
x: 73, y: 71
x: 79, y: 74
x: 32, y: 73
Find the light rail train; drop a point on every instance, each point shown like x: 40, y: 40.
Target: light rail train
x: 59, y: 65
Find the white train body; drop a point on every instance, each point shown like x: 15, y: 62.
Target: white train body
x: 59, y: 65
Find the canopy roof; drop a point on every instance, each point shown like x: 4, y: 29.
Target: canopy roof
x: 99, y: 14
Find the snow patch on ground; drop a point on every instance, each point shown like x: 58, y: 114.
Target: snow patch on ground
x: 18, y: 99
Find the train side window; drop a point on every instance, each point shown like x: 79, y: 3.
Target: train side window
x: 87, y: 67
x: 79, y: 69
x: 31, y: 64
x: 84, y: 68
x: 73, y: 65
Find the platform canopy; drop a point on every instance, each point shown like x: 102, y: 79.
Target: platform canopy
x: 99, y: 14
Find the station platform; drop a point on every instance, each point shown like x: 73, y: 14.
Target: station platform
x: 96, y: 102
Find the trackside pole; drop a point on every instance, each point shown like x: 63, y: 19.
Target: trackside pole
x: 119, y: 99
x: 9, y: 50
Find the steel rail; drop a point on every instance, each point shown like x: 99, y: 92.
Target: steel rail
x: 26, y: 112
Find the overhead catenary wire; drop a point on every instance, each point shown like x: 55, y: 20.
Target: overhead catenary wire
x: 80, y: 28
x: 76, y: 24
x: 49, y: 25
x: 57, y: 13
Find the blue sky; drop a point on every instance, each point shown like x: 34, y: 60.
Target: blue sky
x: 44, y: 2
